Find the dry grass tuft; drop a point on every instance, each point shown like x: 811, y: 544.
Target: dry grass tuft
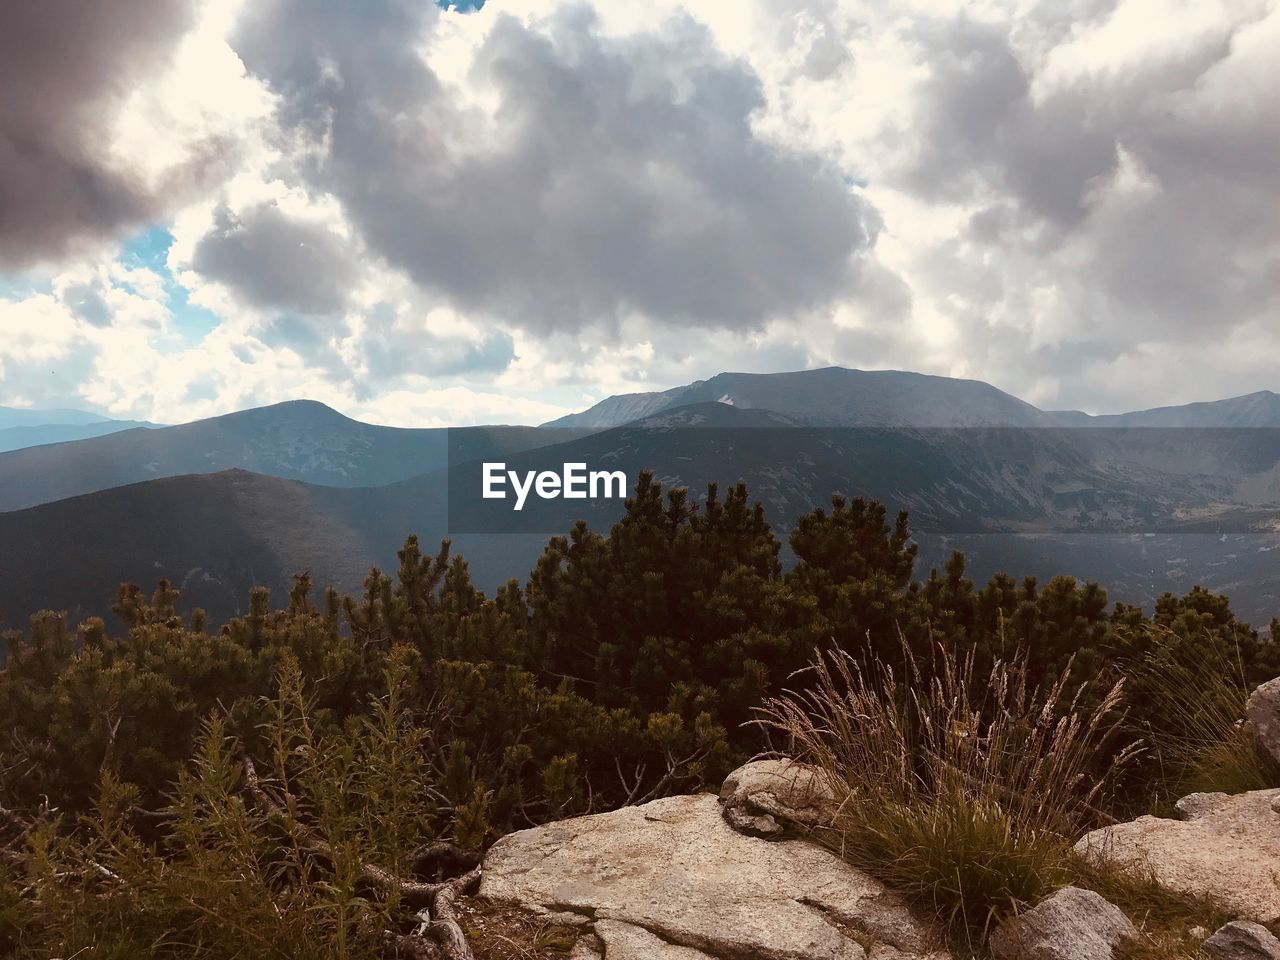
x: 963, y: 792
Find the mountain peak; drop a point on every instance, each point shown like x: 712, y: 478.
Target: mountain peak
x: 832, y: 396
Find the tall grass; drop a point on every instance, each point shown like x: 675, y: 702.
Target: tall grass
x: 963, y: 792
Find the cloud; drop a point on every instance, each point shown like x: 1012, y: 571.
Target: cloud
x: 554, y: 201
x: 1133, y: 179
x: 66, y: 68
x: 611, y: 176
x: 278, y: 262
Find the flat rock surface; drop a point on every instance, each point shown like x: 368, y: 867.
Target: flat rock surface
x: 679, y: 873
x: 1227, y: 851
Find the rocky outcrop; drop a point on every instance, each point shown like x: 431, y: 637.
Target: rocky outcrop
x: 1226, y: 850
x: 1242, y: 940
x: 1263, y: 713
x: 1073, y: 924
x: 671, y: 880
x: 765, y: 797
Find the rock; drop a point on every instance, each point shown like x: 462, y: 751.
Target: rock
x: 1227, y: 852
x: 628, y: 942
x: 763, y: 797
x: 1195, y: 805
x: 1263, y: 713
x: 1073, y: 924
x: 675, y: 870
x: 1242, y: 940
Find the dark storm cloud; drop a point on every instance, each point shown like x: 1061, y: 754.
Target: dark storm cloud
x: 616, y: 176
x: 277, y: 262
x: 65, y: 66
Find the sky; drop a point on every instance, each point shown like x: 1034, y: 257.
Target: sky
x: 505, y: 211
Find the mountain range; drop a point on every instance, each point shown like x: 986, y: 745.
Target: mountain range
x: 297, y: 440
x: 836, y: 396
x: 22, y: 427
x: 1162, y: 500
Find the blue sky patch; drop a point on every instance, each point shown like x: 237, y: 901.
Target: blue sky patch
x: 191, y: 322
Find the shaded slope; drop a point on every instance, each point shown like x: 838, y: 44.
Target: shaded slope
x: 213, y: 536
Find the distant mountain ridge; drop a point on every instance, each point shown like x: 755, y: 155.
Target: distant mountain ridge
x: 1017, y: 500
x: 1261, y: 409
x: 839, y: 396
x: 297, y: 440
x: 832, y: 396
x: 38, y: 435
x: 33, y: 417
x: 28, y: 427
x: 249, y: 498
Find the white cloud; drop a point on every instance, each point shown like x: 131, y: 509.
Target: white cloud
x: 510, y: 213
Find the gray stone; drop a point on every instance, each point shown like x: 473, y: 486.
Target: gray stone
x: 764, y: 797
x: 1228, y: 852
x: 1243, y: 940
x: 1263, y: 713
x: 1196, y: 805
x: 1073, y: 924
x: 623, y: 941
x: 677, y: 871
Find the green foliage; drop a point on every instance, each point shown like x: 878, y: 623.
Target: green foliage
x: 629, y: 665
x: 223, y: 876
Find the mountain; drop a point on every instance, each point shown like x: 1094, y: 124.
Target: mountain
x: 23, y: 427
x: 1143, y: 510
x: 1261, y: 409
x: 1164, y: 500
x: 35, y: 435
x: 833, y: 396
x: 213, y: 536
x: 28, y: 417
x: 216, y: 536
x: 297, y: 440
x: 836, y: 396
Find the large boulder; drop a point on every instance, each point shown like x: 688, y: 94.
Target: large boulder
x: 1072, y: 924
x: 1263, y: 713
x: 1226, y: 850
x: 1242, y: 940
x: 674, y: 872
x: 764, y: 797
